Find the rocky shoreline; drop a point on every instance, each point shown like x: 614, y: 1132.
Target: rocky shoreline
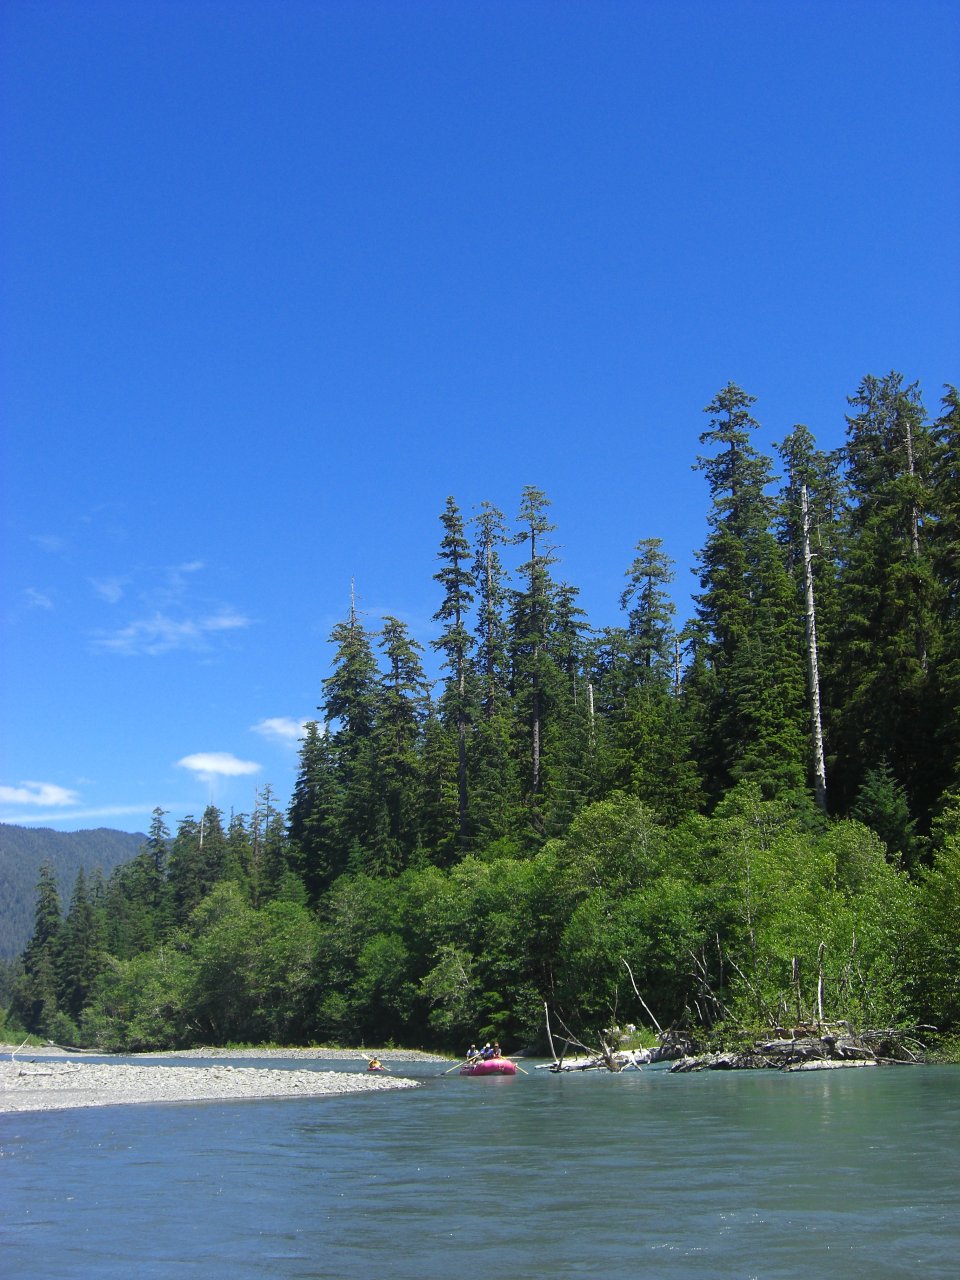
x: 51, y: 1079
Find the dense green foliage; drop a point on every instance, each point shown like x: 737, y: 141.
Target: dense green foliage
x: 577, y: 810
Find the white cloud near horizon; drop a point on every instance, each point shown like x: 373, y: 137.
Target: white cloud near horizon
x: 218, y: 764
x: 49, y: 794
x: 162, y: 634
x: 79, y: 815
x: 281, y: 729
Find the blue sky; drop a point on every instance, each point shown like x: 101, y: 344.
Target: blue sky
x: 279, y: 277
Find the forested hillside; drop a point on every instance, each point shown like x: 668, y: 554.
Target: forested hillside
x: 756, y: 809
x: 22, y: 852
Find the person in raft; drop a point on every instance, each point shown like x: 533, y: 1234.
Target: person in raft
x: 473, y: 1052
x: 496, y: 1049
x: 487, y: 1051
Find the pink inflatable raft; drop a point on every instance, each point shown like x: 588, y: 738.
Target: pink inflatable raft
x: 489, y: 1067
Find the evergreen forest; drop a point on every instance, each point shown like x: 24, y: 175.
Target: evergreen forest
x: 735, y: 816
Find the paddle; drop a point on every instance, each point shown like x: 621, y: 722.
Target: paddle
x: 455, y: 1066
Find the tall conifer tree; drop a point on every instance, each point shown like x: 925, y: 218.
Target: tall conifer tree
x: 350, y: 706
x: 493, y: 781
x: 403, y: 707
x: 748, y: 632
x: 569, y: 758
x: 182, y: 870
x: 945, y: 545
x: 157, y: 852
x: 456, y: 644
x: 315, y: 815
x: 650, y: 749
x: 80, y: 952
x: 650, y: 610
x: 809, y: 531
x: 531, y: 618
x: 35, y: 995
x: 885, y: 711
x: 492, y: 592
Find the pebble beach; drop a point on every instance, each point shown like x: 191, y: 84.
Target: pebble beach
x: 50, y: 1080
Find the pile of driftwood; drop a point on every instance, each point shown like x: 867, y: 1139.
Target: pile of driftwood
x: 816, y: 1047
x: 610, y: 1056
x: 606, y: 1058
x: 811, y: 1046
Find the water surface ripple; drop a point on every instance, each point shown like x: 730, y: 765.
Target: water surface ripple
x: 714, y: 1175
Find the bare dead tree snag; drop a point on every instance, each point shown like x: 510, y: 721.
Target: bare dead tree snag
x: 633, y: 983
x: 820, y: 950
x: 813, y: 671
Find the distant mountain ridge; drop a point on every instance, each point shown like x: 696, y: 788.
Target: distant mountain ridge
x: 23, y: 850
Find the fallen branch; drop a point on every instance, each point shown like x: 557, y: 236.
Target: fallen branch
x: 633, y: 983
x: 14, y: 1052
x: 546, y: 1014
x: 603, y: 1057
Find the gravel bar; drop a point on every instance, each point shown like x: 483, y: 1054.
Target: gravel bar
x: 50, y: 1085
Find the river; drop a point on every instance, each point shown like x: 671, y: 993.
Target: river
x: 734, y: 1174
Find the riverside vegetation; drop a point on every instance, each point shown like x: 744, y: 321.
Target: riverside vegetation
x: 756, y: 814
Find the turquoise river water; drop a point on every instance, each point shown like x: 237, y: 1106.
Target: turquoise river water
x: 740, y: 1174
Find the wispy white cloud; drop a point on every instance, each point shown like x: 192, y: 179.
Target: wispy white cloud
x: 109, y: 589
x: 47, y: 794
x: 51, y: 542
x: 174, y: 616
x: 218, y: 764
x: 37, y: 599
x: 281, y: 729
x: 161, y: 633
x: 176, y: 582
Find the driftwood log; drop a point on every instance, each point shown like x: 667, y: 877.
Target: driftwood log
x: 607, y: 1057
x: 811, y: 1049
x: 671, y: 1044
x: 620, y: 1060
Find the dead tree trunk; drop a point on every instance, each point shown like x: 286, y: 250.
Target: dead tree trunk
x: 633, y: 983
x: 820, y: 950
x: 813, y: 672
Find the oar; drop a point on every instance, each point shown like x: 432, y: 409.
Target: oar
x: 519, y: 1068
x: 455, y: 1066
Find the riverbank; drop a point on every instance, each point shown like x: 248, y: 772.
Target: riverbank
x: 328, y: 1055
x: 49, y: 1079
